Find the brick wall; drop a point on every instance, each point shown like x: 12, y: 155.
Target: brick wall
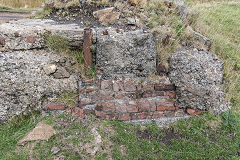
x: 128, y: 99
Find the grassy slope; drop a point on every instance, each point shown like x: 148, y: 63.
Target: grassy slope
x: 220, y: 22
x: 204, y: 137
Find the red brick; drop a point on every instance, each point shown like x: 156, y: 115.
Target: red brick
x: 108, y: 106
x: 145, y: 105
x: 107, y: 84
x: 165, y: 107
x: 84, y: 102
x: 129, y: 86
x: 190, y: 111
x: 169, y: 113
x: 132, y: 106
x: 106, y: 95
x: 89, y: 81
x: 107, y: 117
x: 2, y: 41
x: 52, y: 107
x: 30, y: 39
x: 136, y: 116
x: 94, y: 96
x: 171, y: 94
x: 99, y: 107
x: 124, y: 117
x: 158, y: 93
x: 87, y: 42
x: 157, y: 114
x: 131, y: 95
x: 176, y: 106
x: 78, y: 112
x: 81, y: 89
x: 153, y: 105
x: 119, y: 95
x: 165, y: 87
x: 193, y: 111
x: 118, y: 86
x: 148, y: 86
x: 147, y: 115
x: 88, y: 111
x: 198, y: 112
x: 89, y: 89
x: 121, y: 106
x: 139, y: 86
x: 100, y: 115
x: 146, y: 94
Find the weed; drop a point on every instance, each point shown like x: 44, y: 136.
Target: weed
x: 69, y: 99
x: 57, y: 43
x: 92, y: 70
x: 42, y: 14
x: 230, y: 121
x: 101, y: 156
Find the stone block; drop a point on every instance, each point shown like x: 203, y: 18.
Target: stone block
x: 129, y: 86
x: 52, y: 107
x: 118, y: 85
x: 145, y: 105
x: 106, y: 85
x: 121, y: 54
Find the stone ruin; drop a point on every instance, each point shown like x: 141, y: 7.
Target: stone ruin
x: 127, y: 86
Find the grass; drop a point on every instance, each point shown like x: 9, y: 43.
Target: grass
x: 204, y: 137
x: 220, y: 22
x: 21, y: 3
x: 15, y: 10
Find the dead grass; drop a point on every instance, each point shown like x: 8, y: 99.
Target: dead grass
x: 21, y: 3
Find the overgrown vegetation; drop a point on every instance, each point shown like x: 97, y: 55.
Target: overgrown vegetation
x: 60, y: 45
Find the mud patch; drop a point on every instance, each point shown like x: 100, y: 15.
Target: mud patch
x: 170, y: 135
x: 8, y: 16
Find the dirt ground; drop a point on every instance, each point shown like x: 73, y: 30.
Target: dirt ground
x: 7, y: 16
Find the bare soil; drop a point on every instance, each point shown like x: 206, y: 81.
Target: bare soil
x: 8, y: 16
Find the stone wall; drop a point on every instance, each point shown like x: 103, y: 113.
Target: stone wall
x: 122, y: 89
x: 30, y: 77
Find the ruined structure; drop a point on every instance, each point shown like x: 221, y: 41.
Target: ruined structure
x: 127, y: 85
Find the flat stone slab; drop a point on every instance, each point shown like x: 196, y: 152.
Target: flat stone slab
x: 40, y: 132
x: 29, y: 33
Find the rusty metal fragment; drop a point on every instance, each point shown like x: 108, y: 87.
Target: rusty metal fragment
x: 87, y: 42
